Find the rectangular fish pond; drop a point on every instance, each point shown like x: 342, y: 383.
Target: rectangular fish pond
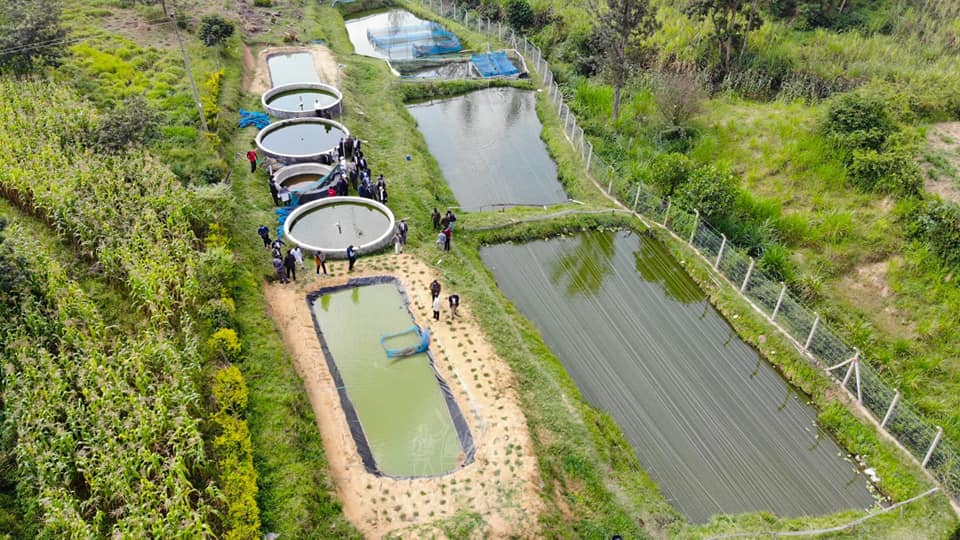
x: 393, y: 34
x: 718, y: 429
x: 292, y: 68
x: 401, y: 413
x: 488, y: 146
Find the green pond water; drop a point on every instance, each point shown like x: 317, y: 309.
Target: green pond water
x: 302, y: 138
x: 489, y: 148
x: 404, y: 416
x: 292, y: 68
x: 301, y: 100
x: 336, y: 226
x: 718, y: 429
x: 390, y: 20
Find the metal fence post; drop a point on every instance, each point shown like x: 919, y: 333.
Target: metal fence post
x: 499, y: 31
x: 783, y: 291
x: 636, y: 198
x: 933, y: 446
x: 723, y: 244
x: 746, y: 278
x: 813, y: 330
x: 853, y: 362
x: 893, y: 403
x: 589, y: 154
x: 666, y: 215
x: 696, y: 223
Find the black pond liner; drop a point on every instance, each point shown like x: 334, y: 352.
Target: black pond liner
x: 356, y: 428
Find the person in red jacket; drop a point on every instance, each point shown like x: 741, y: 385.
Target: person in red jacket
x: 252, y: 158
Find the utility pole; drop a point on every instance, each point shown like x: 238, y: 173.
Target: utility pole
x: 193, y: 84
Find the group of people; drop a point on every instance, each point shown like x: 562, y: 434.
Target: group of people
x: 285, y: 266
x: 445, y: 225
x: 453, y: 300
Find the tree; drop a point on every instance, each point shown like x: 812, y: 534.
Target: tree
x: 31, y: 34
x: 732, y: 22
x: 668, y: 172
x: 710, y: 190
x: 519, y: 13
x: 678, y: 97
x: 215, y: 30
x: 620, y: 28
x: 133, y: 122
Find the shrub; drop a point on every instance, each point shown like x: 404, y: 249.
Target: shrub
x: 710, y: 190
x: 893, y: 171
x: 230, y: 390
x: 855, y: 112
x: 519, y: 13
x: 938, y: 223
x: 224, y: 345
x: 263, y: 3
x: 215, y: 270
x: 133, y: 122
x: 219, y: 312
x: 670, y: 171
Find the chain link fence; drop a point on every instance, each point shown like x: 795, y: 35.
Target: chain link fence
x: 821, y: 345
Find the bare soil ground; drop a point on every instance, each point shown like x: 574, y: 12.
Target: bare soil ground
x: 502, y: 484
x: 943, y: 140
x: 256, y: 73
x: 867, y: 288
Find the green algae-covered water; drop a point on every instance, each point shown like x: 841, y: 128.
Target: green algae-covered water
x: 336, y: 226
x: 302, y: 138
x: 303, y: 99
x: 717, y: 428
x: 405, y: 419
x: 292, y: 68
x: 489, y: 148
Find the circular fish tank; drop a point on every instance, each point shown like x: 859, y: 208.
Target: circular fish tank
x: 300, y: 100
x: 310, y: 181
x: 300, y: 140
x: 332, y: 224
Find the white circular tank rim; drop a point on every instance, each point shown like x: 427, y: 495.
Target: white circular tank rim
x: 379, y: 243
x: 306, y: 85
x: 297, y: 157
x: 289, y: 171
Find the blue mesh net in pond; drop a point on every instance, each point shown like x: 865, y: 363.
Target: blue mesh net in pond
x: 404, y: 35
x: 494, y: 64
x: 422, y: 344
x: 438, y: 47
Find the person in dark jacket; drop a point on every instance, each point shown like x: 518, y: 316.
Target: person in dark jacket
x: 264, y: 233
x: 434, y: 289
x: 290, y: 264
x: 436, y: 219
x: 351, y: 256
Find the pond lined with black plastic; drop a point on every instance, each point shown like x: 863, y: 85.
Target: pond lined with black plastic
x: 718, y: 429
x: 401, y: 413
x: 488, y: 146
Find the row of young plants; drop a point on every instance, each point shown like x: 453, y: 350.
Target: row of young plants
x: 130, y: 455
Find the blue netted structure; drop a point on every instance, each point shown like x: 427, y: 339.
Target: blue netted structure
x: 494, y: 64
x: 321, y: 183
x: 420, y: 346
x: 253, y: 118
x: 426, y: 39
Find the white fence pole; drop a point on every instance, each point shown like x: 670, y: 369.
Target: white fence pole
x: 933, y: 446
x: 893, y: 403
x: 813, y: 330
x: 783, y: 291
x: 666, y: 215
x: 746, y: 278
x: 499, y: 31
x: 589, y: 154
x: 636, y: 198
x: 723, y: 244
x: 856, y: 358
x: 696, y: 223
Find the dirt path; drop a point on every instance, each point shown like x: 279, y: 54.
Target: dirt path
x: 503, y: 482
x: 256, y: 79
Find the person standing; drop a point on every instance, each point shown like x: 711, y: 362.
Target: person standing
x: 451, y: 219
x: 381, y: 189
x: 403, y: 229
x: 298, y: 255
x: 437, y: 303
x: 274, y: 192
x: 351, y: 257
x: 321, y: 259
x: 436, y: 219
x: 454, y: 300
x: 447, y: 236
x: 252, y: 158
x: 397, y: 243
x: 290, y: 264
x: 434, y: 289
x: 278, y: 267
x: 264, y: 233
